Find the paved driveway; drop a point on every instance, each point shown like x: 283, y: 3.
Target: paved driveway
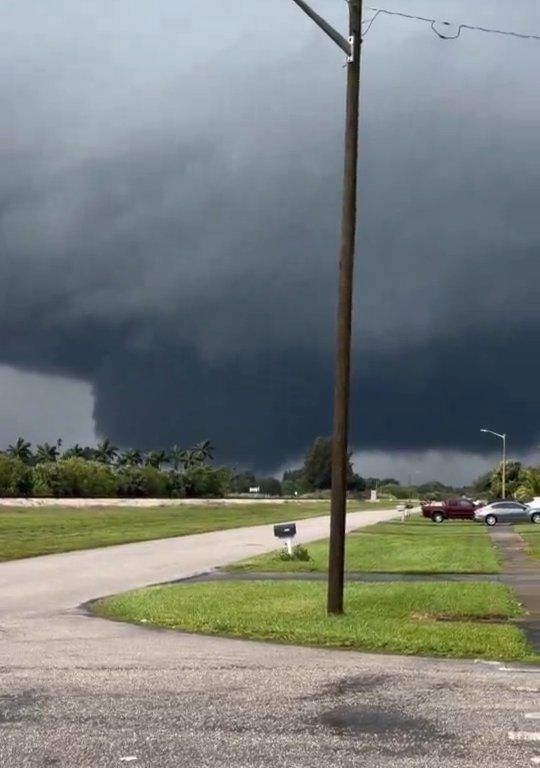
x: 86, y: 693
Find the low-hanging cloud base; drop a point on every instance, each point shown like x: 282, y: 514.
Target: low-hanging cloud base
x: 169, y: 222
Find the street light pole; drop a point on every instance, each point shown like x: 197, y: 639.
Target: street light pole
x: 503, y: 438
x: 340, y: 457
x: 504, y: 466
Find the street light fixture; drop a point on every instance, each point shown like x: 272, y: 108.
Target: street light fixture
x: 503, y: 438
x: 338, y: 508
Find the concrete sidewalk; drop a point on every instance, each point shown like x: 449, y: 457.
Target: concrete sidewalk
x: 522, y: 574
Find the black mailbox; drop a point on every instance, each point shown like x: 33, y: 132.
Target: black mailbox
x: 285, y: 530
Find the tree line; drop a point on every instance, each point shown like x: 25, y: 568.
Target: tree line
x: 109, y: 454
x: 105, y: 471
x: 522, y: 482
x: 315, y: 476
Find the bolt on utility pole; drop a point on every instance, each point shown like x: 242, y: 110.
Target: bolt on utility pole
x: 340, y: 457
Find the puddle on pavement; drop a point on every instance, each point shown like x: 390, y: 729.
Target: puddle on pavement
x: 362, y: 720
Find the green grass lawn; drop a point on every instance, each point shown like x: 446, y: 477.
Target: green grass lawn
x: 397, y: 618
x: 28, y: 532
x: 531, y: 534
x: 416, y: 546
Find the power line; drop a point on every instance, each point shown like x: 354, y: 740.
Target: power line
x: 435, y: 22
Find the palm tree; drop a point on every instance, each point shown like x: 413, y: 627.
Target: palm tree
x: 176, y: 455
x: 106, y: 452
x: 190, y: 458
x: 75, y: 452
x: 47, y: 453
x: 130, y: 458
x: 155, y: 458
x: 205, y: 449
x: 21, y: 450
x: 529, y: 484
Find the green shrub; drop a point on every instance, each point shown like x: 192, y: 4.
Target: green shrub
x: 299, y: 553
x: 91, y: 479
x: 206, y: 482
x: 73, y: 478
x: 130, y: 483
x: 51, y: 479
x: 156, y: 483
x: 143, y: 482
x: 176, y: 485
x: 15, y: 477
x: 397, y: 491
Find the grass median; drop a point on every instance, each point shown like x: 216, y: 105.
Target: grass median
x: 425, y: 619
x: 415, y: 546
x: 531, y: 534
x: 28, y: 532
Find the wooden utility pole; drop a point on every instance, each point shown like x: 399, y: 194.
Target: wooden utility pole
x: 340, y: 435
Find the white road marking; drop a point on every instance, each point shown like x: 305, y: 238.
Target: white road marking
x: 526, y: 689
x: 535, y: 760
x: 533, y: 715
x: 524, y: 735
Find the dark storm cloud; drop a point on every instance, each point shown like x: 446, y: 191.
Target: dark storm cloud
x: 169, y: 210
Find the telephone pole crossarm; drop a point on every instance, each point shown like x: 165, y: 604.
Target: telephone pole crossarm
x: 347, y: 46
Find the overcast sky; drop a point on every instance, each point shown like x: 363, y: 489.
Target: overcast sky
x: 169, y: 217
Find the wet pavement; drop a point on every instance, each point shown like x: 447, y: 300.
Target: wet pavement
x: 367, y: 577
x: 78, y: 691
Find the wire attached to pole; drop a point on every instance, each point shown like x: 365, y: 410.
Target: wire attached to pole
x: 434, y: 22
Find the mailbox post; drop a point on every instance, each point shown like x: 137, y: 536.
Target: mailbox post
x: 286, y: 533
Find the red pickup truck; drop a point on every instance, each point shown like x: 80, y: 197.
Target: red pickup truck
x: 453, y: 509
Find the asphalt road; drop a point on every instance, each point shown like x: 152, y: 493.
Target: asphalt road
x: 86, y: 693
